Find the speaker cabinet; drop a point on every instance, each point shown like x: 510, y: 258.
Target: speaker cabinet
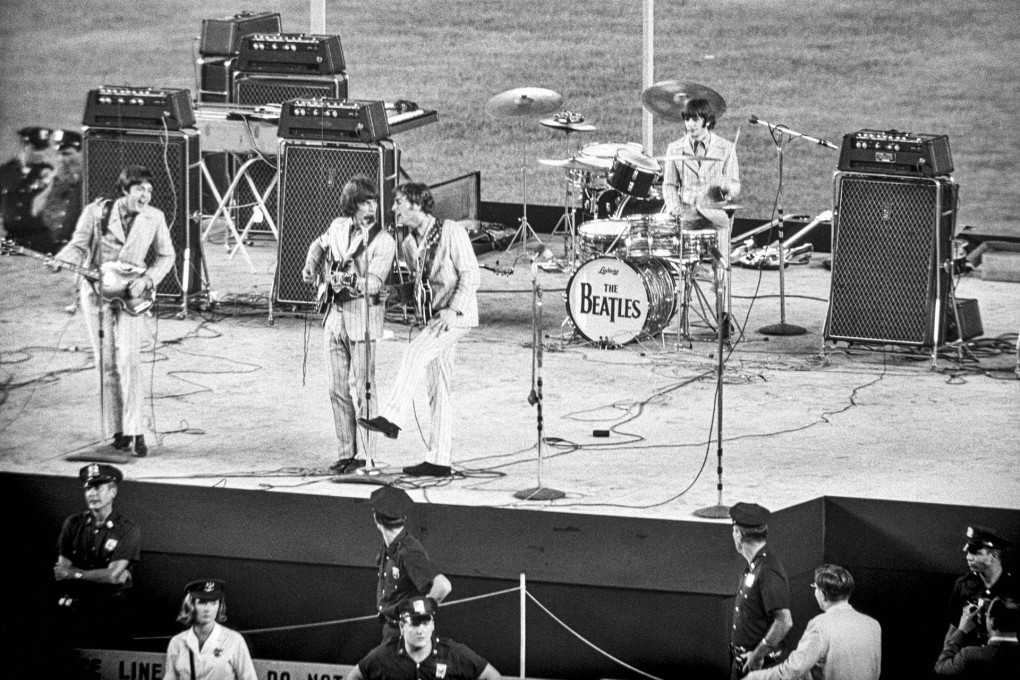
x: 311, y: 179
x: 891, y: 238
x: 257, y: 89
x: 173, y: 159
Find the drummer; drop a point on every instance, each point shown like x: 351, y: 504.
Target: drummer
x: 689, y: 186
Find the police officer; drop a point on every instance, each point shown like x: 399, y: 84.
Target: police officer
x: 419, y: 655
x: 761, y: 613
x: 986, y: 579
x: 405, y: 570
x: 96, y: 552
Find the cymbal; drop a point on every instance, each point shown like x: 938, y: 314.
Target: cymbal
x: 523, y: 101
x: 568, y: 127
x: 668, y: 98
x: 688, y: 157
x: 568, y: 163
x: 601, y: 154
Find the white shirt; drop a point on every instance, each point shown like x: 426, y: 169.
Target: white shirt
x: 223, y: 657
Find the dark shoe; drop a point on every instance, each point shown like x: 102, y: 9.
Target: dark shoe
x: 428, y: 470
x: 346, y: 466
x: 141, y: 450
x: 380, y: 424
x: 120, y: 442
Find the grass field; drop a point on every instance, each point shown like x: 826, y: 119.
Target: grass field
x: 821, y: 67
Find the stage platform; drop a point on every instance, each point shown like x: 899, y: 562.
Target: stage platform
x: 865, y: 456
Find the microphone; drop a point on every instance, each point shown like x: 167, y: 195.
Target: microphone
x: 753, y: 120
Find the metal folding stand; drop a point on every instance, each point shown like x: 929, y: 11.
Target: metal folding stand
x: 567, y: 224
x: 223, y: 206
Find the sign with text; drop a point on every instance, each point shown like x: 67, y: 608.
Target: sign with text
x: 114, y: 664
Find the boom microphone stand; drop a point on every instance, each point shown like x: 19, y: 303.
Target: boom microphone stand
x: 778, y: 132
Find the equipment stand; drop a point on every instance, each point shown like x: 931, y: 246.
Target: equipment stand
x: 718, y: 511
x: 537, y: 493
x: 782, y: 328
x: 525, y: 231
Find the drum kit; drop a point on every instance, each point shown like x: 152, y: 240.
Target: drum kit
x: 632, y: 263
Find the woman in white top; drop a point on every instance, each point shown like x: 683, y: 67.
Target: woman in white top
x: 207, y: 650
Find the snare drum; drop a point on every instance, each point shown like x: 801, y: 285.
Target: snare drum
x: 696, y: 244
x: 619, y: 300
x: 654, y: 235
x: 633, y: 172
x: 598, y: 236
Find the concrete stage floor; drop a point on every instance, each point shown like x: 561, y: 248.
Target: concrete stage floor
x: 240, y: 402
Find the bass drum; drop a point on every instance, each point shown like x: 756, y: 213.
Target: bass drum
x: 617, y: 301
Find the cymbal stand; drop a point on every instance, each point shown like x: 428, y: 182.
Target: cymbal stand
x: 524, y: 232
x: 567, y: 224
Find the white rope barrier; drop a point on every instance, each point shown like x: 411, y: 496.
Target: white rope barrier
x: 591, y: 644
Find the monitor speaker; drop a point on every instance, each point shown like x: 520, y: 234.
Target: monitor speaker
x: 891, y: 244
x: 173, y: 159
x: 311, y: 179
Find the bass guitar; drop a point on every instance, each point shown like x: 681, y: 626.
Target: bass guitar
x: 111, y: 281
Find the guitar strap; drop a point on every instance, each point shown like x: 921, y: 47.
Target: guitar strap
x: 431, y: 248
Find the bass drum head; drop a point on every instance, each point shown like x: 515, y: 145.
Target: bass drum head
x: 613, y: 300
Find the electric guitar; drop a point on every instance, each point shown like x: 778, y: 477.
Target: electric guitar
x: 111, y: 281
x: 336, y: 283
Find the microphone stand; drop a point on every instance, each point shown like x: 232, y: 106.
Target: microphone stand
x: 537, y: 493
x: 783, y: 328
x: 369, y: 458
x: 718, y: 511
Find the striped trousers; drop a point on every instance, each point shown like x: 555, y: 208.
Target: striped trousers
x: 428, y: 357
x: 346, y: 374
x: 122, y: 376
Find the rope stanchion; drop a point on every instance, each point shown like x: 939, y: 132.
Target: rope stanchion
x: 591, y: 644
x: 524, y: 621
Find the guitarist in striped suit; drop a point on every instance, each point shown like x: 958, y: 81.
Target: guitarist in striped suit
x: 129, y: 233
x: 354, y: 255
x: 440, y: 255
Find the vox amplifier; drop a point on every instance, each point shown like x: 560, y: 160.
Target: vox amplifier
x: 891, y: 152
x: 334, y: 120
x: 222, y: 37
x: 123, y: 106
x: 291, y: 53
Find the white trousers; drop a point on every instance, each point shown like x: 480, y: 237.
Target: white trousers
x: 121, y: 348
x: 428, y: 357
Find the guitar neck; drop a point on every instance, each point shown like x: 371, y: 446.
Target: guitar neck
x: 87, y: 273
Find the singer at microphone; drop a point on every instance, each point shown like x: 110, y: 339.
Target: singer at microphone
x: 350, y: 246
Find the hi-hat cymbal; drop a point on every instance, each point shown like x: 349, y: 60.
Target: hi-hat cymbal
x: 523, y: 101
x: 688, y: 157
x: 668, y: 99
x: 568, y: 127
x: 568, y: 164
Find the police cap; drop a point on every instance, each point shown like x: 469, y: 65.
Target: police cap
x: 749, y: 514
x: 95, y: 474
x: 207, y: 589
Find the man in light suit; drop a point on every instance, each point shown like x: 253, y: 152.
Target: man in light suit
x: 444, y: 264
x: 354, y: 257
x: 838, y: 644
x: 690, y: 187
x: 130, y: 236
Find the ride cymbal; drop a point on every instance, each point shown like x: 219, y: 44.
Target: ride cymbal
x: 523, y: 101
x: 668, y: 99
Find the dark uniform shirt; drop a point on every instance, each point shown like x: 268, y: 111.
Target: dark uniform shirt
x: 91, y: 546
x: 405, y: 570
x: 969, y: 588
x: 449, y: 660
x: 764, y: 588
